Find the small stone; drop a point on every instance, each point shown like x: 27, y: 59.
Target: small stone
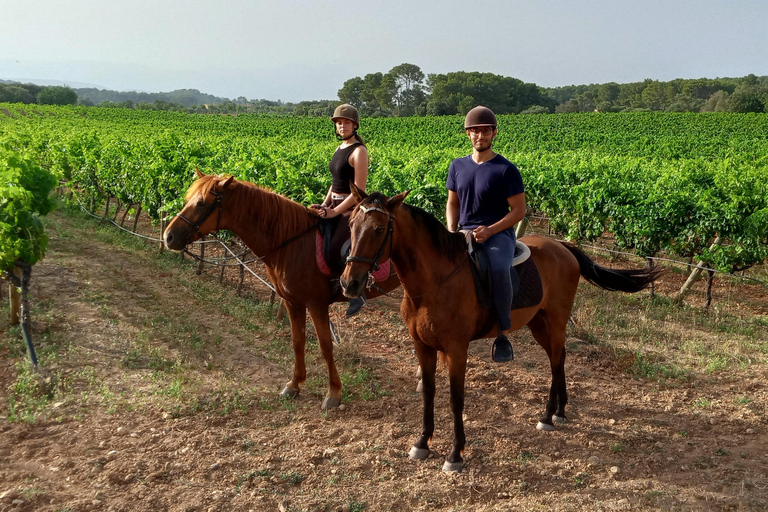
x: 112, y: 455
x: 594, y: 459
x: 750, y: 431
x: 611, y: 421
x: 342, y: 407
x: 17, y: 502
x: 121, y: 431
x: 614, y: 469
x: 215, y: 466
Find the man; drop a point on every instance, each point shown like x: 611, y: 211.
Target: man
x: 486, y: 196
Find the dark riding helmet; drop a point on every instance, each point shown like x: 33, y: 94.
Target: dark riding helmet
x: 480, y: 116
x: 346, y: 111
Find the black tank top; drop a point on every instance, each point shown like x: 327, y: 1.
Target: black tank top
x: 340, y: 169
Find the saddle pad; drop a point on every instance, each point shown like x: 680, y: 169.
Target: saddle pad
x: 530, y: 291
x: 380, y: 275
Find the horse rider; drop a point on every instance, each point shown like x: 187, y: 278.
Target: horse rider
x: 349, y: 162
x: 486, y: 195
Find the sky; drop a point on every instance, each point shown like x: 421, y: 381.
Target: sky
x: 294, y: 50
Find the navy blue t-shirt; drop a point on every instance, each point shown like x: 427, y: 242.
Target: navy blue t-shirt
x: 483, y: 189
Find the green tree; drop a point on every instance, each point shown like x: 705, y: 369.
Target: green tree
x: 57, y: 95
x: 409, y: 80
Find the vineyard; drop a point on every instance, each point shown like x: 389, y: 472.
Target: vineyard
x: 165, y: 384
x: 658, y: 182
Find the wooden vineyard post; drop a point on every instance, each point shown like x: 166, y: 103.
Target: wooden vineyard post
x: 201, y: 263
x: 649, y: 264
x: 710, y: 280
x: 242, y: 278
x: 15, y: 298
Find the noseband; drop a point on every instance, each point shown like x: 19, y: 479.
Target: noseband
x: 376, y: 259
x: 196, y: 225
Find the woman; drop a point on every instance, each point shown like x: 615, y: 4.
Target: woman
x: 349, y: 163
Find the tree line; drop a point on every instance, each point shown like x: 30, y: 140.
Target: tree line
x: 405, y: 90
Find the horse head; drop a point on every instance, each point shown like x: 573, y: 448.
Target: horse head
x: 371, y: 226
x: 202, y: 212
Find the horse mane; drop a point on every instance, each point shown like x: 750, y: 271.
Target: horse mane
x: 450, y: 245
x: 251, y: 203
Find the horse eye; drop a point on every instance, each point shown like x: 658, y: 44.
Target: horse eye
x: 379, y: 229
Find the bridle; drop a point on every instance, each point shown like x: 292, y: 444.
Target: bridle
x: 218, y: 204
x: 196, y: 225
x: 376, y: 259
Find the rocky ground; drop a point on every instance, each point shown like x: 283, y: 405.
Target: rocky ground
x: 164, y: 396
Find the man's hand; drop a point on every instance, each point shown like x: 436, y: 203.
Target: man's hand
x: 482, y: 233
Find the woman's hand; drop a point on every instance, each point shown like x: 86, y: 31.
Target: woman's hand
x: 319, y: 211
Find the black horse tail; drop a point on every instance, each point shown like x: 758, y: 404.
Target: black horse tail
x: 629, y: 281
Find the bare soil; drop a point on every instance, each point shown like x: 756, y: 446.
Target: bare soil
x: 165, y: 398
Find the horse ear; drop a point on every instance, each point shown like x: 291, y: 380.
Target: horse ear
x: 199, y: 174
x: 397, y: 200
x: 357, y: 192
x: 228, y: 182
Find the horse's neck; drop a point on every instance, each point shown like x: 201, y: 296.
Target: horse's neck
x: 420, y: 266
x: 267, y: 221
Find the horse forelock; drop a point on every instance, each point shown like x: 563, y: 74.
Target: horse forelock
x: 201, y: 186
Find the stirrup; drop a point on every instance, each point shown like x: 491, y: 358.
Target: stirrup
x: 501, y: 352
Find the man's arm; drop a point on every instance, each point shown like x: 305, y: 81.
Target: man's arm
x: 452, y: 211
x: 516, y: 214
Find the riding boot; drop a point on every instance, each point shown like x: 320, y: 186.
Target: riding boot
x: 501, y: 351
x: 355, y: 305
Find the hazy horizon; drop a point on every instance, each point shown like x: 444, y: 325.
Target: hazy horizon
x: 295, y: 50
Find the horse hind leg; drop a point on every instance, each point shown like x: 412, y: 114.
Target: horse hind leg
x: 552, y: 340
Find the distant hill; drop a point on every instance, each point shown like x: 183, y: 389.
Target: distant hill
x: 186, y: 97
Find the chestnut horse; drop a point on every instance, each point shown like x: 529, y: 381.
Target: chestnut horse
x: 440, y: 305
x: 282, y: 233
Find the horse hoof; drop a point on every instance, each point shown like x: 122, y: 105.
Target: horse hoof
x: 452, y: 466
x: 559, y: 419
x: 419, y: 386
x: 545, y: 426
x: 330, y: 403
x: 418, y: 453
x: 289, y: 392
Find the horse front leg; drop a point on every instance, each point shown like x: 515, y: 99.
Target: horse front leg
x: 323, y: 329
x: 457, y: 367
x: 298, y: 318
x: 428, y: 363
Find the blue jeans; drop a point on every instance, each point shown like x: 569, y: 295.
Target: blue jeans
x: 501, y: 251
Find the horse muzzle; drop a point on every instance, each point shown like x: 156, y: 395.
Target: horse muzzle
x: 352, y: 286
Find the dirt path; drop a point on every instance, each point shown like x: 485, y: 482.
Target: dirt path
x: 166, y: 399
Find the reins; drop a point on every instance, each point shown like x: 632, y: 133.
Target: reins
x: 218, y: 203
x: 376, y: 259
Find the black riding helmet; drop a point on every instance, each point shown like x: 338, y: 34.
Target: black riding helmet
x: 480, y: 116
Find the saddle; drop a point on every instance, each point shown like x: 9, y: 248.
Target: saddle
x: 526, y: 281
x: 332, y: 262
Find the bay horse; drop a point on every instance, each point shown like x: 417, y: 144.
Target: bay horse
x: 441, y: 309
x: 282, y: 233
